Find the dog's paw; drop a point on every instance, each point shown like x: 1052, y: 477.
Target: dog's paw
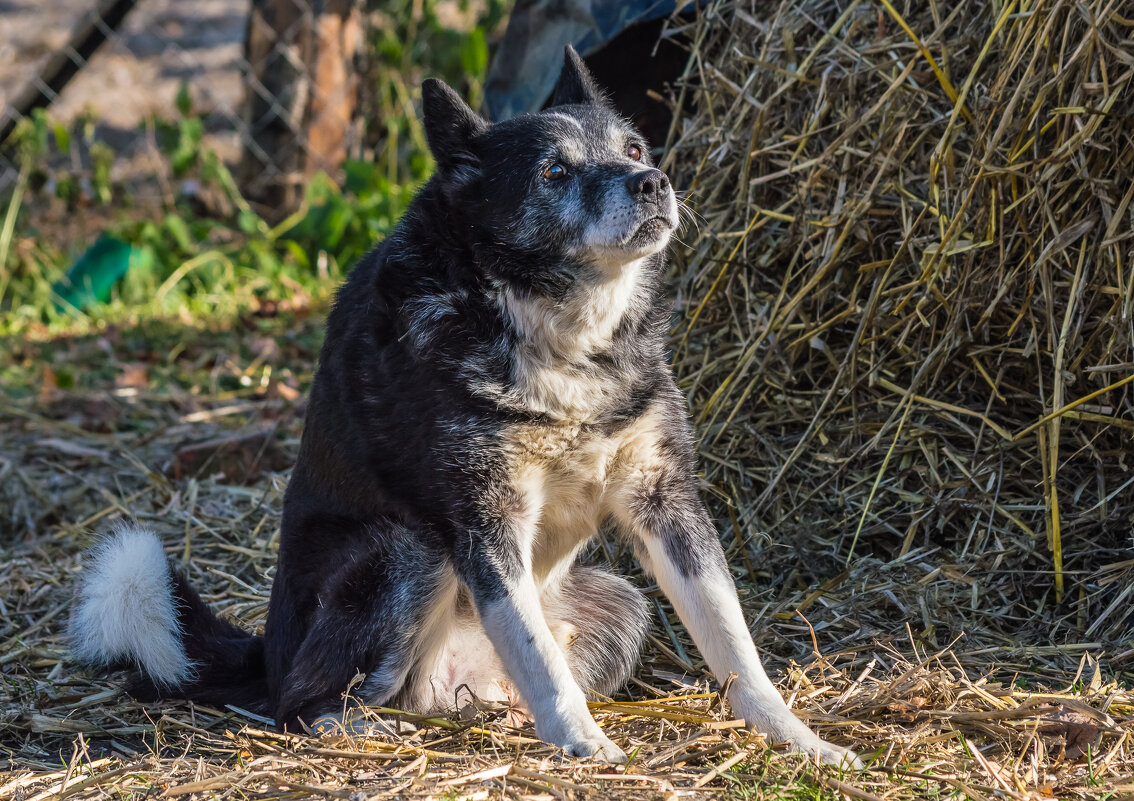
x: 600, y: 750
x: 807, y: 742
x: 836, y: 755
x: 801, y: 739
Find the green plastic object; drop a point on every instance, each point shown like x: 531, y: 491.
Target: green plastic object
x: 91, y: 278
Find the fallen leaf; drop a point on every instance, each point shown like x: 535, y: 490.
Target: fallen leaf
x: 132, y: 375
x: 282, y: 390
x: 266, y: 348
x: 90, y: 412
x: 48, y: 386
x: 1079, y: 732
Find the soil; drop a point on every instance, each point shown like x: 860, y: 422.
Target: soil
x: 138, y: 70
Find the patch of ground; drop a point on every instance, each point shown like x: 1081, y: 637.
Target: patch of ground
x: 943, y: 698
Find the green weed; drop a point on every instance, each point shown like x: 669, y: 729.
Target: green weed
x: 193, y: 264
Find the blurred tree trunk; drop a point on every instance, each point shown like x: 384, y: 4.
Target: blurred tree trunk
x: 301, y: 93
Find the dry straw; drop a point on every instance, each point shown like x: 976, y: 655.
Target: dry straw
x: 908, y: 309
x: 905, y: 328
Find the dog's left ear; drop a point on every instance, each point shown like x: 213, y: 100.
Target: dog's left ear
x: 450, y: 126
x: 576, y: 86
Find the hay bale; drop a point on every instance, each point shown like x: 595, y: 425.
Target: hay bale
x: 906, y: 316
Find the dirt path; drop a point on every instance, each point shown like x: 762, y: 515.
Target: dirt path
x: 138, y: 71
x: 134, y: 75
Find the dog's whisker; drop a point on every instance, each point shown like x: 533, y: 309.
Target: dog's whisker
x: 687, y: 217
x: 684, y: 204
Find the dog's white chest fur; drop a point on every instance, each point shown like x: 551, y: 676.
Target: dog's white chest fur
x: 568, y: 478
x: 561, y: 473
x: 551, y: 373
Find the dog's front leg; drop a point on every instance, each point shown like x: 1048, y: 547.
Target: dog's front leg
x: 658, y: 504
x: 505, y: 594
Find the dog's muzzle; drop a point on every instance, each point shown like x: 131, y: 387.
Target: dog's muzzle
x: 656, y: 206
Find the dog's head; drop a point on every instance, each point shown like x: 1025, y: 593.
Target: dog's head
x: 571, y: 186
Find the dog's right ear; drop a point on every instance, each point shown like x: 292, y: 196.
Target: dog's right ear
x: 450, y: 126
x: 576, y: 86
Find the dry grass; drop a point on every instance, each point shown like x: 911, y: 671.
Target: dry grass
x: 902, y: 269
x: 908, y: 311
x: 988, y: 716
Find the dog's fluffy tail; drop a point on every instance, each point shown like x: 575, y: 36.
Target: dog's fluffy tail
x: 135, y: 611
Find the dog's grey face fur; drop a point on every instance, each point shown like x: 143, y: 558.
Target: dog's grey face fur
x: 578, y: 181
x: 566, y: 191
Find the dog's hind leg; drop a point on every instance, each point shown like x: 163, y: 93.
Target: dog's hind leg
x: 370, y: 612
x: 602, y: 620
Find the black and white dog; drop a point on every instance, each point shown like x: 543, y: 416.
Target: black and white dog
x: 492, y: 389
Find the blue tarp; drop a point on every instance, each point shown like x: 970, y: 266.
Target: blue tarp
x: 527, y: 63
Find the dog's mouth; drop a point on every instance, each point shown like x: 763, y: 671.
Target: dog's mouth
x: 650, y: 230
x: 646, y: 235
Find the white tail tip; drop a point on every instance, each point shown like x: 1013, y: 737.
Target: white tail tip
x: 126, y: 608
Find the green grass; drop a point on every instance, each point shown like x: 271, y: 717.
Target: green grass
x: 192, y: 267
x: 208, y: 266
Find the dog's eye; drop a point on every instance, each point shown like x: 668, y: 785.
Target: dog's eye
x: 555, y: 172
x: 634, y: 152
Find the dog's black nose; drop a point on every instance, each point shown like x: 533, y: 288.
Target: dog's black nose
x: 649, y: 184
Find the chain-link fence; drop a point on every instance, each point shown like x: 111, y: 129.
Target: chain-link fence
x: 281, y: 90
x: 274, y: 84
